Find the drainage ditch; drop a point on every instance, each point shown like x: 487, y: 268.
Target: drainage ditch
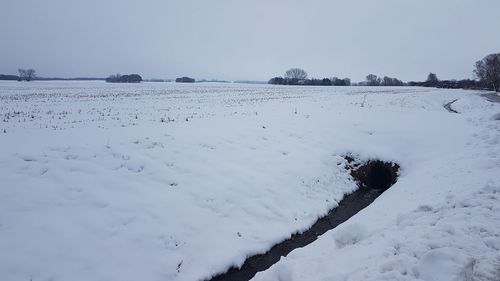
x: 373, y: 178
x: 449, y: 108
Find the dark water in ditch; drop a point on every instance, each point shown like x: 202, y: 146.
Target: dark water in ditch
x: 449, y: 108
x: 373, y: 178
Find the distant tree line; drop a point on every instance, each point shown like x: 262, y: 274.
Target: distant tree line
x: 9, y: 77
x: 30, y: 74
x: 486, y: 70
x: 118, y: 78
x: 374, y: 80
x: 297, y: 76
x: 185, y: 80
x: 433, y: 81
x: 341, y: 82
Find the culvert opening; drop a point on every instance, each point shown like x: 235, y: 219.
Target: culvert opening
x: 374, y: 174
x: 372, y: 177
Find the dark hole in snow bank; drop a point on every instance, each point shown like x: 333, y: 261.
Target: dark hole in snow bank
x: 374, y: 174
x: 373, y: 178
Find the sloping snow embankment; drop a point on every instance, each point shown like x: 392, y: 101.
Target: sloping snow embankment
x: 451, y: 231
x: 179, y: 182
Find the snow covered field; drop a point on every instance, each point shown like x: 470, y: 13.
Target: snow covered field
x: 179, y: 182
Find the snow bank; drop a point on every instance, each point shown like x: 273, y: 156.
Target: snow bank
x: 179, y: 182
x: 441, y: 221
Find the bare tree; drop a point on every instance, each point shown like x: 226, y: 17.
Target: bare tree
x: 488, y: 71
x: 26, y: 74
x: 296, y: 73
x: 30, y: 74
x: 432, y: 79
x: 22, y: 74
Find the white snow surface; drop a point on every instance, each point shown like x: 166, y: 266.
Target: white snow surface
x: 163, y: 181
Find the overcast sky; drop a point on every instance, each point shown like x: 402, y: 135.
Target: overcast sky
x: 248, y: 39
